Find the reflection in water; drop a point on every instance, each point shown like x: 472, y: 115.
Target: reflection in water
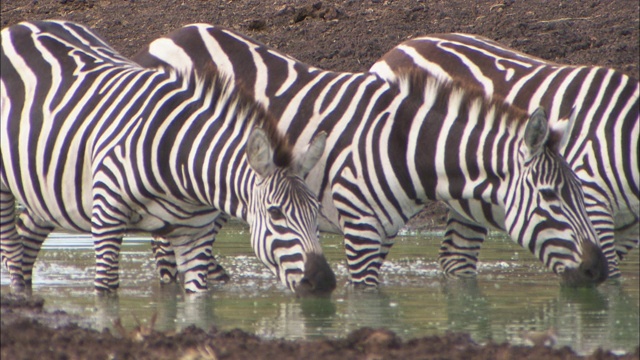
x: 511, y: 296
x: 167, y: 298
x: 369, y: 308
x: 317, y: 313
x: 467, y: 305
x: 298, y: 319
x: 107, y: 311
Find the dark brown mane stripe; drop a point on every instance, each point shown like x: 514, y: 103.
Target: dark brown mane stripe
x: 283, y: 154
x: 417, y: 78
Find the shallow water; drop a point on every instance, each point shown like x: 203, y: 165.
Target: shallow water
x: 512, y: 295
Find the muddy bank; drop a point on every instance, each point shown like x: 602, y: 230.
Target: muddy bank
x: 30, y: 332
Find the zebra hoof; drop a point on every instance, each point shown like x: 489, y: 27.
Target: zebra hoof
x: 221, y: 278
x: 106, y: 291
x: 364, y: 286
x: 218, y: 274
x: 18, y: 285
x: 615, y: 274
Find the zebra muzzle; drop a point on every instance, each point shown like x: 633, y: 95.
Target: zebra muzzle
x: 592, y: 271
x: 319, y: 280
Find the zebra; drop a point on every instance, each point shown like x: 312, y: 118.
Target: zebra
x: 92, y: 142
x: 393, y: 146
x: 602, y: 150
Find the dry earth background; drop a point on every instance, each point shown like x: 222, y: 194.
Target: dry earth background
x: 345, y: 35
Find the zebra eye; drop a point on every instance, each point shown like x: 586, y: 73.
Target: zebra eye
x: 275, y: 213
x: 549, y: 194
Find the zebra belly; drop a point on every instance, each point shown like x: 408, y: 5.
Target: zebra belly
x: 166, y: 224
x: 475, y: 211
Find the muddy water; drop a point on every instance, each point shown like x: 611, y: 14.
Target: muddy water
x: 512, y: 296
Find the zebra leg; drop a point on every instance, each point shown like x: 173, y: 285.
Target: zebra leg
x: 364, y: 259
x: 365, y: 251
x: 166, y: 265
x: 386, y: 247
x: 193, y: 257
x: 107, y: 229
x: 215, y: 271
x: 599, y: 209
x: 603, y: 223
x: 166, y: 259
x: 107, y: 246
x: 363, y: 234
x: 11, y: 246
x: 33, y: 233
x: 627, y: 235
x: 461, y: 245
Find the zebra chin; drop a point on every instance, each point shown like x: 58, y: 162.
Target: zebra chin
x: 318, y: 279
x: 592, y: 271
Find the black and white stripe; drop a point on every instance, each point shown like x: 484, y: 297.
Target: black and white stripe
x: 603, y: 146
x: 92, y: 142
x: 392, y: 147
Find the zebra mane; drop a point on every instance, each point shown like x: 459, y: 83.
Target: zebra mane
x: 417, y: 81
x: 246, y: 108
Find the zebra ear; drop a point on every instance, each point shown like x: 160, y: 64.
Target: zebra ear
x: 310, y: 157
x: 260, y: 153
x: 561, y: 130
x: 536, y: 132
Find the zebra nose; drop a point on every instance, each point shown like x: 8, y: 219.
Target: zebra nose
x: 592, y: 271
x: 319, y: 280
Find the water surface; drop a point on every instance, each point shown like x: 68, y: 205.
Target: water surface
x: 511, y: 296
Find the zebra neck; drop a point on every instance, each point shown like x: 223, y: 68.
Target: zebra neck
x: 444, y: 143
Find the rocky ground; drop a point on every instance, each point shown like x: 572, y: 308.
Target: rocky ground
x: 346, y: 35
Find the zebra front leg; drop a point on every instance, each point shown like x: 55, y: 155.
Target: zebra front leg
x: 365, y: 252
x: 603, y: 223
x: 167, y: 267
x: 626, y: 235
x: 107, y: 229
x: 33, y: 234
x: 166, y: 261
x: 193, y: 258
x: 165, y: 257
x: 461, y: 245
x: 386, y: 247
x: 11, y: 246
x: 107, y: 247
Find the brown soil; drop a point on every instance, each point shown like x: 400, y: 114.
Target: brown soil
x: 348, y: 35
x: 25, y: 335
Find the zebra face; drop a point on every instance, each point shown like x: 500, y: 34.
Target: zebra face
x: 285, y: 232
x: 284, y: 220
x: 546, y: 213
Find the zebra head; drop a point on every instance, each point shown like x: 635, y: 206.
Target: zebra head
x: 545, y: 211
x: 283, y: 217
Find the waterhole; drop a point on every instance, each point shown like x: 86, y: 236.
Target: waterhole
x: 513, y: 295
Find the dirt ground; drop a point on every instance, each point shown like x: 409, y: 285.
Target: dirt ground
x: 348, y: 35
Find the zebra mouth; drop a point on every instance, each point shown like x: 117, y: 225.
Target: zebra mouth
x: 592, y: 271
x: 318, y: 280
